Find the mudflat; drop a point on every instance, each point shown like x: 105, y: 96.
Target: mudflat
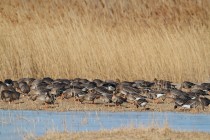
x: 61, y: 105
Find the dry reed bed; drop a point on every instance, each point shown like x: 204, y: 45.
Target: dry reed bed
x: 105, y: 39
x: 128, y: 133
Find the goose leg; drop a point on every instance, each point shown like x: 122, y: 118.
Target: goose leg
x: 203, y: 107
x: 62, y: 96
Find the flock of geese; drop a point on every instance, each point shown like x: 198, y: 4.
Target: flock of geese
x: 139, y: 92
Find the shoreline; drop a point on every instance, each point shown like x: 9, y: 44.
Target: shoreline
x: 71, y: 105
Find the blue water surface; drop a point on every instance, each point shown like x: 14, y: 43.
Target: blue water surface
x: 15, y: 124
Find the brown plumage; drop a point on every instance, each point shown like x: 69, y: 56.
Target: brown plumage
x: 118, y: 100
x: 10, y: 95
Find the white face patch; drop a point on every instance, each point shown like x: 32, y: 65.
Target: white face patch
x: 8, y: 84
x: 160, y: 95
x: 193, y: 97
x: 110, y: 88
x: 137, y: 99
x: 143, y: 104
x: 123, y: 92
x: 84, y: 89
x: 80, y: 95
x: 186, y: 106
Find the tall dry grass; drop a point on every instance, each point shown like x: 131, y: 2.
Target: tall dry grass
x: 108, y: 39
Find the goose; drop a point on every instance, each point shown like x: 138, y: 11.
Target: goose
x: 132, y: 97
x: 86, y: 97
x: 8, y: 82
x: 193, y: 103
x: 24, y: 87
x: 98, y: 82
x: 125, y: 90
x: 130, y: 89
x: 155, y: 95
x: 196, y: 93
x: 204, y: 102
x: 106, y: 98
x: 102, y: 90
x: 29, y: 81
x: 89, y: 85
x: 34, y: 93
x: 47, y: 80
x: 46, y: 98
x: 110, y: 85
x: 186, y: 85
x: 143, y: 84
x: 187, y: 103
x: 10, y: 95
x: 174, y: 93
x: 83, y: 81
x: 139, y: 102
x: 199, y: 92
x: 162, y: 84
x: 69, y: 93
x: 205, y: 86
x: 179, y: 102
x: 15, y: 85
x: 118, y: 100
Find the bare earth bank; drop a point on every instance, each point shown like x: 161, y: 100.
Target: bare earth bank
x: 70, y: 105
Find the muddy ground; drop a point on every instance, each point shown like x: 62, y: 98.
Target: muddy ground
x: 71, y: 105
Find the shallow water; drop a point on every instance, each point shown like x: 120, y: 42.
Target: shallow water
x: 15, y: 124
